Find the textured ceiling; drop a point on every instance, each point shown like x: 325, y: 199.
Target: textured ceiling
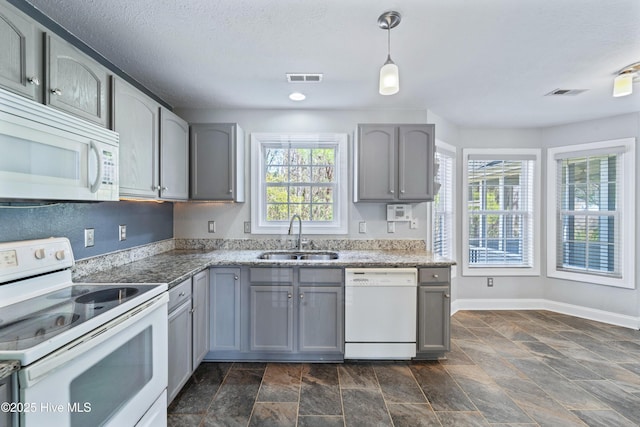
x: 473, y: 62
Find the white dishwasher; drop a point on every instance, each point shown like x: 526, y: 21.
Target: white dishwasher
x: 380, y: 313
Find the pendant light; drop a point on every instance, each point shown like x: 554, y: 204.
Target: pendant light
x: 389, y: 77
x: 623, y: 83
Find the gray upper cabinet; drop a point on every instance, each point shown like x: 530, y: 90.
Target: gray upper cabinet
x: 135, y: 118
x: 394, y: 163
x: 217, y: 162
x: 174, y: 156
x: 76, y: 83
x: 224, y: 302
x: 20, y: 60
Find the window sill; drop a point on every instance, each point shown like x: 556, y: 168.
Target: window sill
x: 591, y: 279
x: 500, y: 271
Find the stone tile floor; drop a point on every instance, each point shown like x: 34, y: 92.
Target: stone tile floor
x: 506, y: 368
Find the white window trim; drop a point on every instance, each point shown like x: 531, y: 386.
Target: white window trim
x: 534, y: 270
x: 451, y: 151
x: 259, y: 224
x: 627, y: 243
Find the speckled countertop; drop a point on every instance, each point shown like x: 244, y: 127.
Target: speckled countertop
x: 7, y: 367
x: 175, y: 266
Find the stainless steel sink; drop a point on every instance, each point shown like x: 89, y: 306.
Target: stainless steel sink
x: 307, y: 256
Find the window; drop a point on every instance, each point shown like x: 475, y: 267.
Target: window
x: 303, y: 174
x: 443, y: 218
x: 501, y: 218
x: 591, y: 213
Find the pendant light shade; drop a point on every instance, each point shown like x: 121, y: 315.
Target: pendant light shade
x: 389, y: 73
x: 389, y: 78
x: 623, y: 83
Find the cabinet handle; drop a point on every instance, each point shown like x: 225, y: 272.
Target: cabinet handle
x: 301, y: 296
x: 235, y: 277
x: 447, y: 295
x: 56, y: 91
x: 34, y: 81
x: 181, y: 294
x: 230, y: 190
x: 289, y: 296
x: 435, y: 276
x: 192, y: 310
x: 163, y: 188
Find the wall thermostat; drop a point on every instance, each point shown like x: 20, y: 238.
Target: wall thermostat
x: 399, y: 213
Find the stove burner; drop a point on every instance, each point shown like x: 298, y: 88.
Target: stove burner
x: 106, y: 295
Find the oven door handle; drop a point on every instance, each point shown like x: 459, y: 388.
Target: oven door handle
x: 92, y: 339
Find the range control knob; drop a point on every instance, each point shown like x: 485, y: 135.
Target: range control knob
x: 59, y: 255
x: 39, y: 253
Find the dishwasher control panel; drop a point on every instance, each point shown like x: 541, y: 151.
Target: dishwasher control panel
x: 381, y: 277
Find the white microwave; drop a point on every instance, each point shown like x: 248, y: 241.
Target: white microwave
x: 46, y: 154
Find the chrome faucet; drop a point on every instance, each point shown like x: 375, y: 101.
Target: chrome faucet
x: 294, y: 216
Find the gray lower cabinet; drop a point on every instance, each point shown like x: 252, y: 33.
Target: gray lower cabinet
x: 20, y: 57
x: 76, y: 83
x: 224, y: 303
x: 180, y: 356
x: 8, y: 393
x: 188, y: 327
x: 275, y: 313
x: 434, y: 312
x: 394, y: 163
x: 200, y: 316
x: 217, y: 162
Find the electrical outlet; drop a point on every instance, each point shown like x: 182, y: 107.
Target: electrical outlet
x: 247, y: 227
x: 391, y: 227
x: 89, y: 237
x: 212, y: 226
x: 413, y: 223
x: 490, y: 282
x: 122, y: 232
x: 362, y: 227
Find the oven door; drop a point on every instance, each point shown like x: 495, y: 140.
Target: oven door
x: 110, y: 377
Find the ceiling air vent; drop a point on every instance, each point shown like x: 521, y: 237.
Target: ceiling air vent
x: 566, y: 92
x: 304, y: 77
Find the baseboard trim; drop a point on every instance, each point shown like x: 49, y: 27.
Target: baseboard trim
x: 542, y: 304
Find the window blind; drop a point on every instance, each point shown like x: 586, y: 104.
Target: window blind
x: 443, y: 204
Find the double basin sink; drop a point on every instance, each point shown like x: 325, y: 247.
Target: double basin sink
x: 302, y: 256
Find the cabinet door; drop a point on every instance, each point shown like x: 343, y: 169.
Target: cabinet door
x: 200, y: 317
x: 180, y: 353
x: 174, y: 156
x: 376, y: 162
x: 20, y: 66
x: 321, y: 319
x: 135, y: 118
x: 76, y: 83
x: 271, y: 317
x: 415, y: 162
x: 434, y: 310
x: 213, y: 165
x: 224, y: 301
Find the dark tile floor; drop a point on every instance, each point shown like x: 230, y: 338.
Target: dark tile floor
x: 507, y: 368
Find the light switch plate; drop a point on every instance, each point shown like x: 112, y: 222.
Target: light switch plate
x: 391, y: 227
x: 212, y: 226
x: 413, y: 224
x: 362, y: 227
x: 89, y: 237
x: 247, y: 227
x: 122, y: 232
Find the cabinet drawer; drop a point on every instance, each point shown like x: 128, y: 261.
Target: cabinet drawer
x: 179, y: 294
x: 271, y: 275
x: 319, y: 276
x: 434, y: 275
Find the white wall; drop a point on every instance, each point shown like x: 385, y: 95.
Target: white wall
x: 599, y: 297
x: 190, y: 219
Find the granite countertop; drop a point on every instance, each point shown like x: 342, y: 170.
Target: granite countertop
x: 173, y: 267
x: 7, y: 367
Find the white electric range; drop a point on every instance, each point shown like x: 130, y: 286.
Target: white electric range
x: 91, y: 354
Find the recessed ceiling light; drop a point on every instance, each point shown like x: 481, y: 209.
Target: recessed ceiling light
x: 297, y: 96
